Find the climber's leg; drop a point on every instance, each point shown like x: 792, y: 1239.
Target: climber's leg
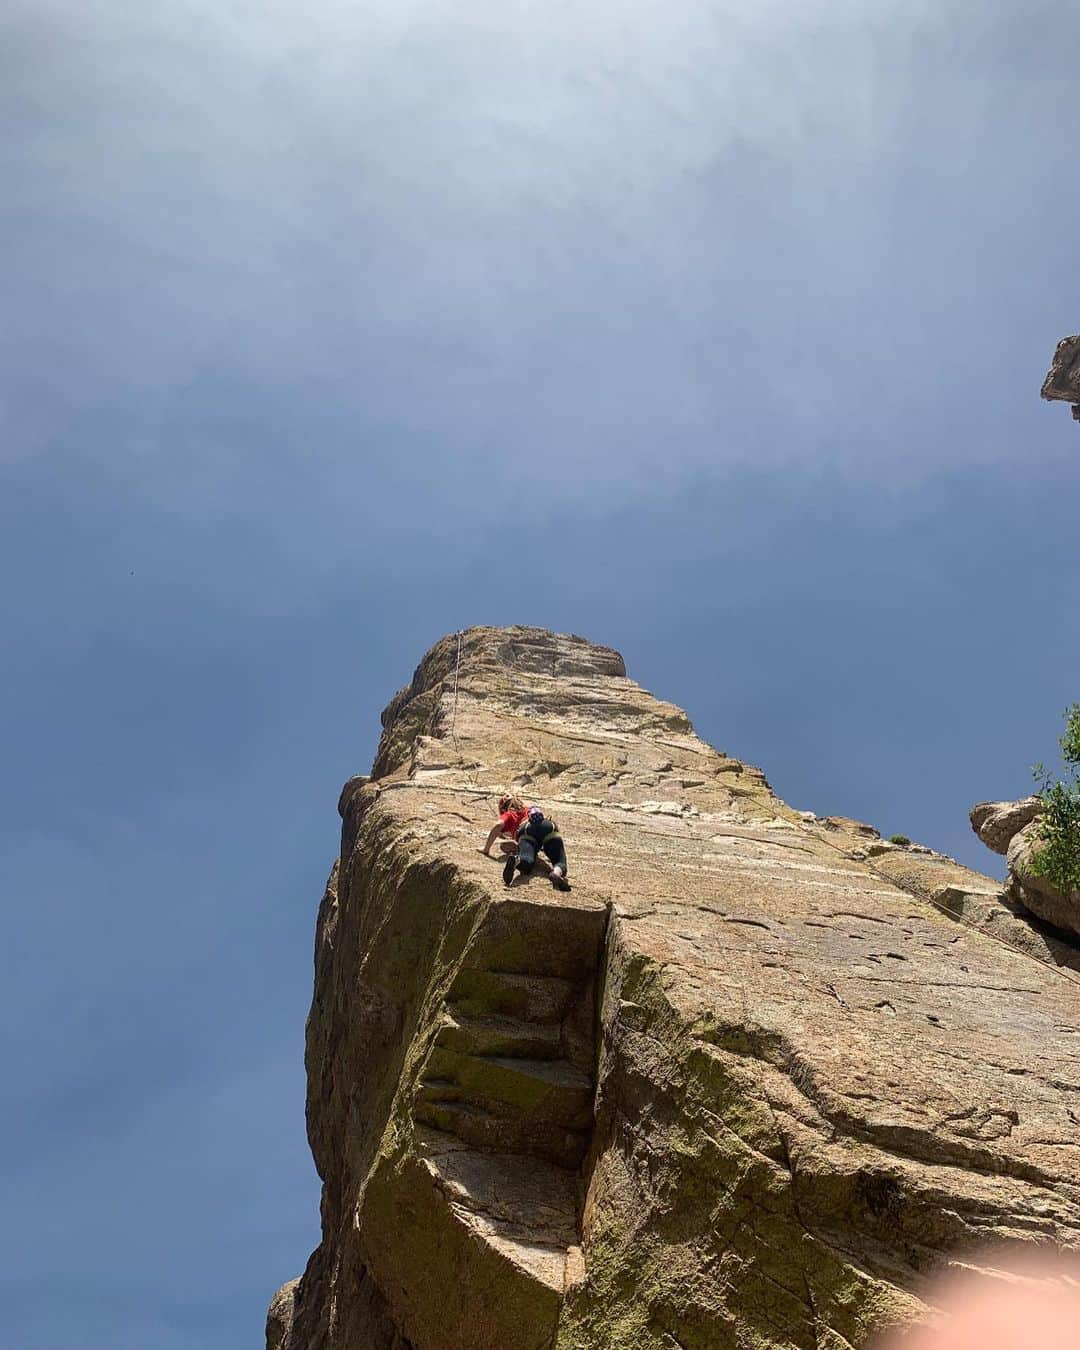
x: 526, y: 856
x: 556, y: 853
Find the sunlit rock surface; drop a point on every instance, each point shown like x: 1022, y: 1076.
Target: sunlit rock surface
x: 1013, y: 828
x: 747, y: 1085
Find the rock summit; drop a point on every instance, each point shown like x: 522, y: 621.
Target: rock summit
x: 750, y: 1084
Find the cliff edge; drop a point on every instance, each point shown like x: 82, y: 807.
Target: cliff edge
x: 747, y: 1085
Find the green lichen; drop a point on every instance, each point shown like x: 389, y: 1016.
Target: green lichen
x: 696, y: 1236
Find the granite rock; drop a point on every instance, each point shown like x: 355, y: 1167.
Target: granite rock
x: 996, y: 822
x: 1012, y: 828
x: 1063, y: 378
x: 744, y: 1086
x: 1036, y: 893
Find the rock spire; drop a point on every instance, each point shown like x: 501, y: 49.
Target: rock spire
x: 754, y: 1079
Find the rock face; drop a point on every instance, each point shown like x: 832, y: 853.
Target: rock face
x: 1012, y: 828
x: 1035, y: 892
x: 747, y: 1085
x: 1063, y: 379
x: 279, y: 1319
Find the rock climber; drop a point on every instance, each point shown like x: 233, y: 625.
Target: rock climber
x: 512, y: 815
x: 538, y: 834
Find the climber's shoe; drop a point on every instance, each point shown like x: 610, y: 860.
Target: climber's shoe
x: 559, y: 881
x: 508, y: 869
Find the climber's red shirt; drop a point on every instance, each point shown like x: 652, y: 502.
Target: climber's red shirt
x: 512, y: 820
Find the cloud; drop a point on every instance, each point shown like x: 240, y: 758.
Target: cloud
x: 638, y: 240
x: 325, y: 325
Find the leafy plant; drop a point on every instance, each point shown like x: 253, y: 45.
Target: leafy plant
x: 1058, y: 860
x: 899, y: 839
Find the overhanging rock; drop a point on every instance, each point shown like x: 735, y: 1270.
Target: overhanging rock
x: 1063, y: 379
x: 748, y: 1084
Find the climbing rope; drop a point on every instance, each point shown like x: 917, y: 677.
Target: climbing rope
x: 457, y: 672
x: 508, y: 690
x: 1063, y: 971
x: 470, y: 770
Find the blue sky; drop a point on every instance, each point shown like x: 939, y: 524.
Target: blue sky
x: 713, y: 332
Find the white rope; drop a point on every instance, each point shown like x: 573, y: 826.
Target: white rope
x: 1065, y: 972
x: 457, y: 671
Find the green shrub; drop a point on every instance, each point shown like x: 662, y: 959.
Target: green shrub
x: 899, y: 839
x: 1058, y: 860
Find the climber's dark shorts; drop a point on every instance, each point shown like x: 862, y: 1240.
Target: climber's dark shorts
x: 552, y: 848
